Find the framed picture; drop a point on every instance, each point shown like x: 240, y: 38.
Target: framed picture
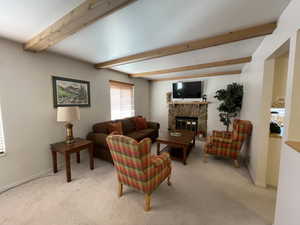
x: 169, y: 97
x: 70, y: 92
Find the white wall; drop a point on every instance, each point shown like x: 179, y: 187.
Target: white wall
x: 288, y: 198
x: 256, y: 96
x: 274, y: 154
x: 27, y: 107
x: 159, y: 106
x: 256, y: 106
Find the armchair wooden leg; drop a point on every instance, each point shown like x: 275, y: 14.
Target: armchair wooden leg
x: 120, y: 190
x: 236, y: 163
x: 147, y: 202
x: 169, y: 180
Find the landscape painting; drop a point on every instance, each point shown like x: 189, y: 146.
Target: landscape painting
x: 70, y: 92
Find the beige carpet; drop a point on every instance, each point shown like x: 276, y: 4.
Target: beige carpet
x: 202, y: 194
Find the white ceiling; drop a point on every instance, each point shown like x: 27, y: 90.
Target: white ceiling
x: 234, y: 50
x: 144, y: 25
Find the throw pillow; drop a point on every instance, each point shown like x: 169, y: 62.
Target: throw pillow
x: 140, y: 123
x: 115, y: 127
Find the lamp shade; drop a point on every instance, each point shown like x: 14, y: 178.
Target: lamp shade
x: 68, y: 114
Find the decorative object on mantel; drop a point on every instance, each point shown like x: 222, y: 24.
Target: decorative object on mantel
x: 68, y: 115
x: 169, y: 97
x: 70, y: 92
x: 231, y: 102
x: 204, y: 98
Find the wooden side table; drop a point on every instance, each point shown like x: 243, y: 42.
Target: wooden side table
x: 67, y: 149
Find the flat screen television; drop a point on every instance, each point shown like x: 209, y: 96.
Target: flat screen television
x: 187, y: 89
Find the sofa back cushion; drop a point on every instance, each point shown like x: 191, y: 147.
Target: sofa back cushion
x: 140, y: 123
x: 101, y: 128
x: 128, y: 125
x: 115, y: 127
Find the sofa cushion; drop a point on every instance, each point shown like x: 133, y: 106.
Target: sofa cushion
x: 141, y: 134
x: 140, y: 123
x: 101, y: 128
x: 115, y: 127
x: 128, y: 125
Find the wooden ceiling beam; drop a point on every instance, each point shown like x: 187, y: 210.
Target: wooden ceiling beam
x: 118, y: 71
x: 195, y: 67
x: 222, y: 39
x: 83, y: 15
x: 234, y: 72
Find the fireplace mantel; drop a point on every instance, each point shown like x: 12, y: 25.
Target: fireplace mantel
x: 188, y: 103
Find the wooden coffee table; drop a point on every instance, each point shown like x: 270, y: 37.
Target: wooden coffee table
x: 176, y: 145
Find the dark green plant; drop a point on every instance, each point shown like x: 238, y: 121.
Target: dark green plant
x: 231, y: 102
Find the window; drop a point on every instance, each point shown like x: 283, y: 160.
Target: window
x: 2, y: 145
x: 121, y: 100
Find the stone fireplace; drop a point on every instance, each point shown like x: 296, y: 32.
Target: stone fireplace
x: 188, y: 115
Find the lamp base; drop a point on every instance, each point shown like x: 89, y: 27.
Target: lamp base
x: 69, y: 133
x: 70, y: 141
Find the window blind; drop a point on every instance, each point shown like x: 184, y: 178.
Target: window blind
x: 121, y: 100
x: 2, y: 146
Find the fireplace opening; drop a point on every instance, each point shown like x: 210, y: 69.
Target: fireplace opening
x: 187, y: 123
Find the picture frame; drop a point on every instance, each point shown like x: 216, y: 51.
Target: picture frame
x: 169, y: 97
x: 70, y: 92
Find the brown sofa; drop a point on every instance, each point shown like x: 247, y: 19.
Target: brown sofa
x: 100, y: 132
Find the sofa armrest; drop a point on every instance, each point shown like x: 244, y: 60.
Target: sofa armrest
x: 153, y: 125
x: 98, y: 139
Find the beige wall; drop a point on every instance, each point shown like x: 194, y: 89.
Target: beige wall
x: 280, y: 77
x: 159, y: 107
x: 27, y: 107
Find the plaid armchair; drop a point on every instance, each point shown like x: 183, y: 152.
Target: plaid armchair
x: 136, y: 167
x: 228, y: 144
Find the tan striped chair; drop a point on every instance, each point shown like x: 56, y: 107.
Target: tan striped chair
x: 136, y: 167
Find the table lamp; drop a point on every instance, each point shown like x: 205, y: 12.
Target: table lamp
x: 68, y: 115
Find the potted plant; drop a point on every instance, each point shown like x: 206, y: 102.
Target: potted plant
x: 231, y: 102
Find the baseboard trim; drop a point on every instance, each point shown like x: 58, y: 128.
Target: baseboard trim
x: 26, y: 180
x: 250, y: 173
x: 255, y: 182
x: 42, y: 174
